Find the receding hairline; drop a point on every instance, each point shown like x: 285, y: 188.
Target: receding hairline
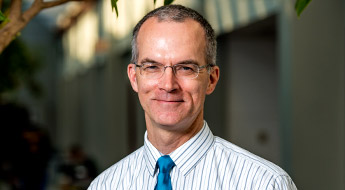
x: 156, y: 20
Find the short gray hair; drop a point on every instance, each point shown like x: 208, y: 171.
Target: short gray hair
x: 179, y: 13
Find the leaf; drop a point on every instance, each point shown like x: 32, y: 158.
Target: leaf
x: 114, y: 6
x: 168, y: 2
x: 154, y: 2
x: 2, y: 17
x: 301, y: 5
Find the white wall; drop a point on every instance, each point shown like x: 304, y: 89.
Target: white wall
x: 253, y: 107
x: 249, y: 76
x: 313, y: 72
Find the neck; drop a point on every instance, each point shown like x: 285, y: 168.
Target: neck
x: 168, y: 138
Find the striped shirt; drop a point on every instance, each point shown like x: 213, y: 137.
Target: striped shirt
x: 203, y: 162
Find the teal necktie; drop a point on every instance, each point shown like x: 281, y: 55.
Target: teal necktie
x: 165, y: 164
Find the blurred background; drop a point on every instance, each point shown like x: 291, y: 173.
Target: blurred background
x: 67, y: 110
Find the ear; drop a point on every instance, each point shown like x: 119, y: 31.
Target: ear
x: 213, y: 80
x: 132, y: 76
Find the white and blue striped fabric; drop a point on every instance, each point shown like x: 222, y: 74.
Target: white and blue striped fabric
x: 203, y: 162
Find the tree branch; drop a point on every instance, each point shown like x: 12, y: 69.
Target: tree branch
x: 19, y: 20
x: 35, y: 8
x: 38, y: 5
x: 15, y: 9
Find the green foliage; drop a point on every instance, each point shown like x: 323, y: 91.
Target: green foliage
x: 168, y: 2
x: 4, y: 11
x: 114, y: 6
x: 17, y: 68
x: 300, y: 5
x: 2, y: 17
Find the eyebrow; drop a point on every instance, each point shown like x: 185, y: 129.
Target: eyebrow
x: 148, y: 60
x: 189, y: 61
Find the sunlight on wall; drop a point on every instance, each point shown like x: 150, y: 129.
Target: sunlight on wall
x: 228, y: 20
x: 86, y: 36
x: 243, y: 11
x: 226, y: 15
x: 79, y: 43
x: 260, y: 8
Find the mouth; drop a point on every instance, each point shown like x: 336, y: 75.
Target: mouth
x: 168, y: 98
x: 169, y: 101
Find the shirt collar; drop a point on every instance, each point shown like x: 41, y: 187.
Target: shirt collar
x: 186, y: 156
x: 151, y: 155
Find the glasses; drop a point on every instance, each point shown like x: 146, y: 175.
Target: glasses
x: 181, y: 71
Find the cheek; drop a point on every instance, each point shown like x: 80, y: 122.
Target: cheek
x: 146, y: 91
x: 145, y: 86
x: 198, y: 93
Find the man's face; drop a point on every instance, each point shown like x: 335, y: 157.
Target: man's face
x: 169, y: 101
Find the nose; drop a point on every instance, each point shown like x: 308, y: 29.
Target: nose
x: 168, y: 82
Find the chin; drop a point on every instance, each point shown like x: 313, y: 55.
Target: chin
x: 169, y: 121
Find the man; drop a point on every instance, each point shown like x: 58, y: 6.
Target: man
x: 172, y: 70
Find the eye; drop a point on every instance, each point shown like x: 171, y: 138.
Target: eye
x: 151, y: 67
x: 185, y: 67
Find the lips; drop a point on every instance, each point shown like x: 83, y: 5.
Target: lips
x: 167, y: 97
x: 169, y: 100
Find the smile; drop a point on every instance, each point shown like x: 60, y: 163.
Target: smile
x: 170, y: 101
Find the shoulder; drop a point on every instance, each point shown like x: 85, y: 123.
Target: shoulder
x: 262, y: 173
x: 109, y: 178
x: 238, y: 152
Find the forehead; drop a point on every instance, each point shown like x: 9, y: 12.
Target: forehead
x: 155, y: 24
x: 171, y: 38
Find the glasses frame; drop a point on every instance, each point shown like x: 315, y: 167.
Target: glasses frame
x: 173, y: 67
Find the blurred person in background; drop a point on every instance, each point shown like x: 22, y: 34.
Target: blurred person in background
x: 25, y: 150
x: 77, y: 171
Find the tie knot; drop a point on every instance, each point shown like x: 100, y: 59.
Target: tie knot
x: 165, y: 164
